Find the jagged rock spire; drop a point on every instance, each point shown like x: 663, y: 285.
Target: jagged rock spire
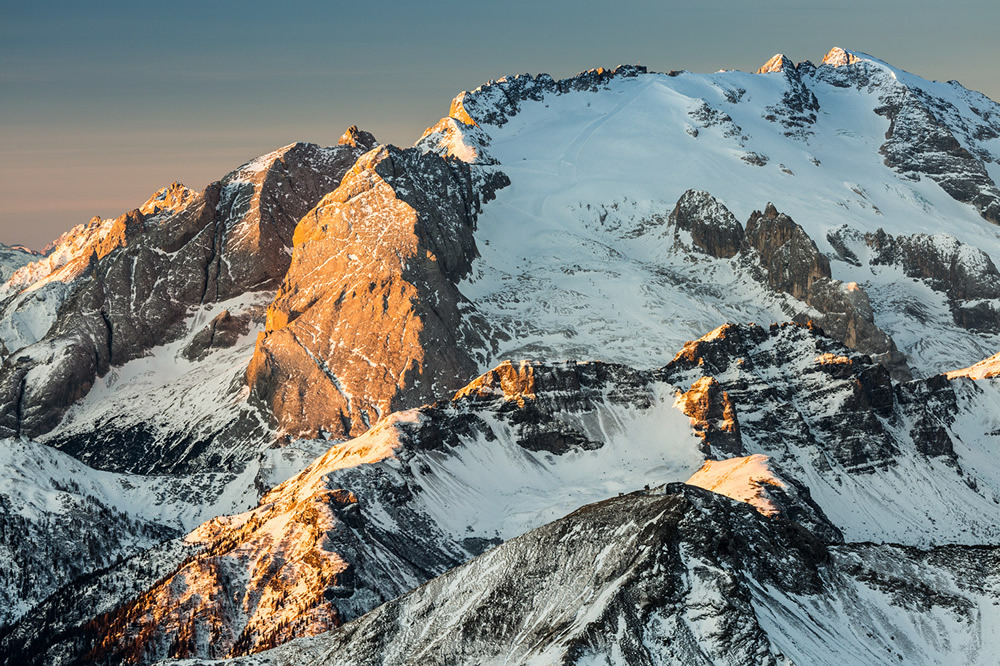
x: 357, y: 138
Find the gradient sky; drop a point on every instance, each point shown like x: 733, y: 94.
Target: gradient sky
x: 103, y: 103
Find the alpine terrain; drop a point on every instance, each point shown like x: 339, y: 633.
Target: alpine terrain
x: 625, y: 368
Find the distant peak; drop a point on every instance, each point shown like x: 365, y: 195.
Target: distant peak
x: 838, y: 57
x: 778, y: 63
x: 358, y: 138
x: 167, y: 199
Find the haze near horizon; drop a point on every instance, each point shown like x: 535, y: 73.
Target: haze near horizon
x: 102, y: 106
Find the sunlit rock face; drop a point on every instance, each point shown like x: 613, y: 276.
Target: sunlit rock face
x: 369, y: 318
x: 111, y: 290
x: 985, y: 369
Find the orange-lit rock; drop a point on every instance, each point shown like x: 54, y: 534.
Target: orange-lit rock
x: 368, y: 319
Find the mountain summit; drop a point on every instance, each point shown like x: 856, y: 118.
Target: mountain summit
x: 681, y: 347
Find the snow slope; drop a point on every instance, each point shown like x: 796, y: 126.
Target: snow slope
x: 594, y: 172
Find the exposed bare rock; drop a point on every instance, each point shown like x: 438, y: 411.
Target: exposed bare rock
x: 777, y: 63
x: 791, y: 258
x: 756, y: 480
x: 168, y: 200
x: 223, y: 331
x: 798, y: 107
x: 713, y: 417
x: 708, y: 225
x: 838, y: 57
x: 126, y: 285
x: 989, y: 367
x: 965, y: 274
x: 368, y: 319
x: 357, y: 138
x: 926, y: 134
x: 13, y: 257
x: 737, y: 357
x: 793, y: 264
x: 511, y: 382
x: 671, y: 576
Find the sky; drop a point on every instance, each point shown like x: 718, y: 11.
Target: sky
x: 101, y: 104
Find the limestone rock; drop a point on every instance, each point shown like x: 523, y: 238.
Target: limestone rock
x: 712, y: 229
x: 369, y: 318
x: 129, y: 282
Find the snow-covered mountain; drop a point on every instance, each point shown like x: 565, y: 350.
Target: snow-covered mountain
x: 363, y: 349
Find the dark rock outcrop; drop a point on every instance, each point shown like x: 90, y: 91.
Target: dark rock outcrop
x: 792, y: 261
x: 712, y: 229
x: 793, y: 264
x: 740, y: 359
x: 965, y: 274
x: 672, y: 575
x: 222, y: 332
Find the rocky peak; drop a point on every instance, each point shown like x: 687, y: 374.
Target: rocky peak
x: 793, y: 260
x: 496, y: 101
x: 838, y: 57
x: 512, y: 382
x: 712, y: 228
x: 377, y: 259
x: 356, y: 138
x: 168, y: 199
x: 713, y: 417
x: 778, y: 63
x: 144, y: 278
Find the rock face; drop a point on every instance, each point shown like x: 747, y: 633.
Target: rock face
x: 369, y: 318
x: 792, y: 260
x: 223, y: 331
x: 966, y: 275
x: 428, y: 489
x: 334, y: 294
x: 713, y: 416
x: 126, y: 285
x: 793, y: 264
x: 923, y: 138
x: 674, y: 575
x: 230, y: 595
x: 712, y: 229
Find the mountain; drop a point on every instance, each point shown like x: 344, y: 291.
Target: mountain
x: 329, y: 395
x: 13, y: 257
x: 678, y: 575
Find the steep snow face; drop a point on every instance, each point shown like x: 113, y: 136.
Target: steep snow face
x: 595, y: 169
x: 678, y: 575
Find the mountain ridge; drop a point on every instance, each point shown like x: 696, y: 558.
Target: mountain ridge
x: 362, y: 349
